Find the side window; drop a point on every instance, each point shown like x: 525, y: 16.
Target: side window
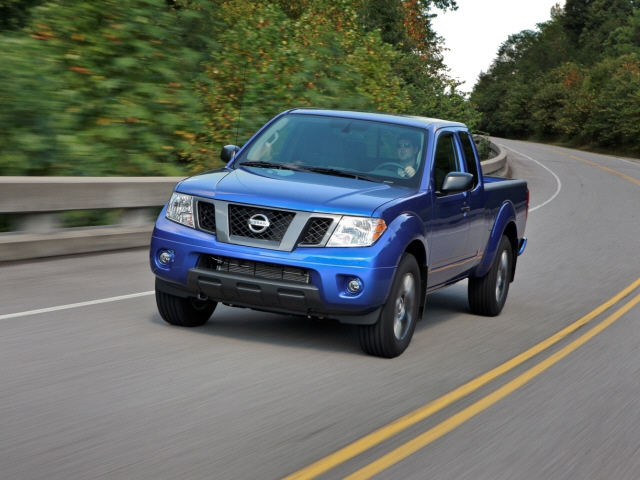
x: 470, y: 156
x: 446, y: 160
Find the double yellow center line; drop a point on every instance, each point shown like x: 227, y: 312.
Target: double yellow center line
x: 583, y: 160
x: 367, y: 442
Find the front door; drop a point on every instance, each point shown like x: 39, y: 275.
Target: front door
x: 450, y: 226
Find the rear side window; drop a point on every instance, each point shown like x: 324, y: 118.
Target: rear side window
x: 469, y: 156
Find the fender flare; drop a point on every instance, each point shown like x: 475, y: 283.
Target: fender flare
x: 410, y: 235
x: 407, y: 228
x: 506, y: 215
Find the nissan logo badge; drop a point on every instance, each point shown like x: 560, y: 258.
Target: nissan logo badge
x: 258, y: 223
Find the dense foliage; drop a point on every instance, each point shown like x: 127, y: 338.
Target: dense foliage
x: 576, y: 78
x: 156, y: 87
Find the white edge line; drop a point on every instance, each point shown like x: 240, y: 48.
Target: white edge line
x: 546, y: 168
x: 75, y: 305
x: 624, y: 160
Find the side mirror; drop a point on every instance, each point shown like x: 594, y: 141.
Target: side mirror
x: 228, y: 152
x: 457, y: 182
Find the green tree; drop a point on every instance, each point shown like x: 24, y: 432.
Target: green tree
x: 158, y: 86
x: 404, y: 24
x: 562, y: 104
x: 104, y: 87
x: 574, y: 19
x: 624, y: 39
x: 269, y: 62
x: 504, y: 94
x: 603, y: 17
x: 29, y: 109
x: 574, y: 78
x: 615, y: 121
x: 14, y: 14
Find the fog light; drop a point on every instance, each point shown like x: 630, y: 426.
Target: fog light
x: 354, y: 285
x: 165, y: 257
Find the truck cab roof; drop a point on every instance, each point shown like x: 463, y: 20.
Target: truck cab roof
x: 395, y: 118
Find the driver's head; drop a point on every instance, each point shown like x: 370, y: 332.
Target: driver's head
x: 407, y: 145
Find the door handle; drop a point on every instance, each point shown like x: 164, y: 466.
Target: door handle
x: 466, y: 209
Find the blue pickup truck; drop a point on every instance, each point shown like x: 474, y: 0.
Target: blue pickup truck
x: 349, y: 216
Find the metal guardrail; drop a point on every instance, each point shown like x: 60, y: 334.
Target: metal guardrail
x: 34, y: 204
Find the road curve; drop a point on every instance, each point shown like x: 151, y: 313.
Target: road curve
x: 108, y: 390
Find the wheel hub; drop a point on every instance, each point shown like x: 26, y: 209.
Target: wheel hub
x: 404, y: 307
x: 501, y: 280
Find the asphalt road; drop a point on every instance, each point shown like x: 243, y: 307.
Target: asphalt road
x: 108, y: 390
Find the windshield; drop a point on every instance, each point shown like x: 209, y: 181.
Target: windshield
x: 363, y: 149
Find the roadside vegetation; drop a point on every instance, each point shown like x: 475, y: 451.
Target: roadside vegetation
x: 157, y: 87
x: 574, y: 80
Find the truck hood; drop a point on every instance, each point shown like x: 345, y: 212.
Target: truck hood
x: 306, y: 191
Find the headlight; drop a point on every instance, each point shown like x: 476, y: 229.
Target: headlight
x: 357, y: 232
x: 180, y: 209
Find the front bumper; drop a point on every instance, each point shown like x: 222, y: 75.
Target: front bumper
x: 267, y: 295
x: 325, y: 295
x: 252, y: 291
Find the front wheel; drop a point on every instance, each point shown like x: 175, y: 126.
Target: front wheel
x: 392, y: 333
x: 488, y: 294
x: 184, y: 312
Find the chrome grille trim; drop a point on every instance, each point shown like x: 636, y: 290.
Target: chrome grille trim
x: 294, y: 236
x: 279, y: 221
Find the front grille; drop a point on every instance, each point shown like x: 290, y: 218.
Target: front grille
x: 207, y: 216
x: 317, y: 230
x: 256, y: 269
x: 239, y: 217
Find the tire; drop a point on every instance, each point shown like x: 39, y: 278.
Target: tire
x: 391, y: 334
x: 488, y: 294
x: 184, y: 312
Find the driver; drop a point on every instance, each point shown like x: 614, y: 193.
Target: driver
x: 408, y: 146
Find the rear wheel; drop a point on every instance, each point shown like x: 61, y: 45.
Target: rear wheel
x: 488, y: 294
x: 184, y: 312
x: 392, y: 333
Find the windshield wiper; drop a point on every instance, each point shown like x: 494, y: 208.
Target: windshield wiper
x: 302, y: 168
x: 280, y: 166
x: 342, y: 173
